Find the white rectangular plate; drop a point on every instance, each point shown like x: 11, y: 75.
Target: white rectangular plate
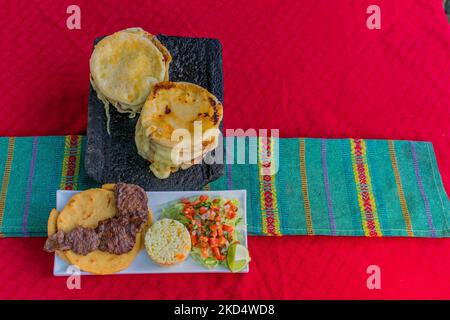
x: 143, y: 264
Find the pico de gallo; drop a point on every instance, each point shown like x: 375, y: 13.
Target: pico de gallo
x: 211, y: 223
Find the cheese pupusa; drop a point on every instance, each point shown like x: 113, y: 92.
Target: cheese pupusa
x: 125, y: 65
x: 172, y: 111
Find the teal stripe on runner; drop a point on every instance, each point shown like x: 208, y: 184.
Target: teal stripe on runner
x: 437, y: 196
x: 388, y: 184
x: 288, y: 180
x: 339, y: 193
x: 17, y: 187
x: 374, y: 169
x: 316, y: 188
x: 44, y: 192
x: 413, y: 198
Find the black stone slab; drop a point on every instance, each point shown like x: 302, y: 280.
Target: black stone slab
x: 113, y: 158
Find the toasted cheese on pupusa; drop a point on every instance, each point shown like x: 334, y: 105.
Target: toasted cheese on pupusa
x: 178, y: 124
x: 178, y: 105
x: 125, y: 65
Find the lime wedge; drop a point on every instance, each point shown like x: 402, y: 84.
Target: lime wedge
x: 237, y: 257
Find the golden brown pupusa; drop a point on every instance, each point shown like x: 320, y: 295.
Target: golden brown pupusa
x: 178, y: 105
x: 125, y: 65
x: 177, y: 109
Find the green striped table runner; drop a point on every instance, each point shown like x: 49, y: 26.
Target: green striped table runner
x: 341, y: 187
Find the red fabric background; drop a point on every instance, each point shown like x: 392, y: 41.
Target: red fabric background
x: 310, y: 68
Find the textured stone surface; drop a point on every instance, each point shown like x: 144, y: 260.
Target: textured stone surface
x: 113, y: 158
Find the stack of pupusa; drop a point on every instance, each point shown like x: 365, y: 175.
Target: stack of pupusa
x: 130, y: 68
x: 178, y: 126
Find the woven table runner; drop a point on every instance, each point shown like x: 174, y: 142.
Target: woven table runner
x: 340, y: 187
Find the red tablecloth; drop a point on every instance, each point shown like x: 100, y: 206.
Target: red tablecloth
x: 311, y: 68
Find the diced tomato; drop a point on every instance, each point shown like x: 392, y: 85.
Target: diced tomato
x: 209, y: 235
x: 194, y: 239
x: 217, y: 254
x: 222, y: 241
x: 227, y: 228
x: 203, y: 241
x: 232, y: 206
x: 204, y: 252
x: 189, y: 211
x: 231, y: 214
x: 213, y: 242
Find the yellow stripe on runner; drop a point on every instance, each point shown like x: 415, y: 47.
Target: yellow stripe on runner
x: 306, y: 203
x: 401, y: 195
x: 5, y: 182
